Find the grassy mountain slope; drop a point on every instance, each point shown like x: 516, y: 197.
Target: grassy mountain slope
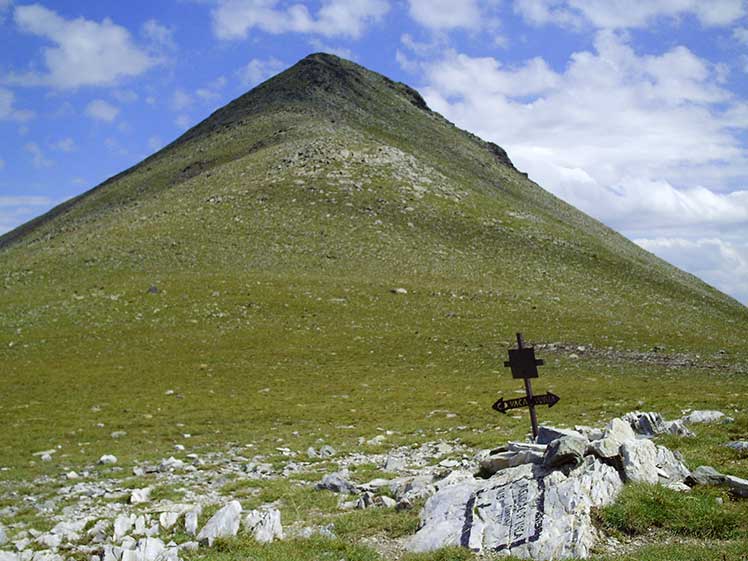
x: 273, y: 233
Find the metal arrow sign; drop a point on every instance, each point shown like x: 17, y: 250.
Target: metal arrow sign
x: 549, y: 399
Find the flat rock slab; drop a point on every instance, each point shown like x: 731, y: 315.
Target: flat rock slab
x: 523, y: 511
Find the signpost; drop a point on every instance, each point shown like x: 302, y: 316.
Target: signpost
x: 524, y: 365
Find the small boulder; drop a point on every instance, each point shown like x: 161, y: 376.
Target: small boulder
x: 565, y: 450
x: 705, y: 475
x: 639, y: 459
x: 738, y: 486
x: 168, y: 519
x: 191, y: 518
x: 223, y: 524
x: 140, y: 496
x: 264, y: 525
x: 546, y: 434
x: 706, y: 417
x: 108, y: 459
x: 387, y: 502
x: 739, y: 445
x: 337, y: 483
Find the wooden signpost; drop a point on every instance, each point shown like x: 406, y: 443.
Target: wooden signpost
x: 524, y: 365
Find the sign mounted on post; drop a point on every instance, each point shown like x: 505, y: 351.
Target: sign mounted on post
x: 524, y: 366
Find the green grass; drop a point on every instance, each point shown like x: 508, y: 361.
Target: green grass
x: 274, y: 323
x: 640, y: 508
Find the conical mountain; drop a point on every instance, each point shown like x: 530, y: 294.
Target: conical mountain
x: 261, y: 247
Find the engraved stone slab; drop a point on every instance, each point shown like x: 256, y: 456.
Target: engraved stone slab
x: 525, y: 511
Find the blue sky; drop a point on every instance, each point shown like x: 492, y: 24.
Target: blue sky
x: 634, y: 111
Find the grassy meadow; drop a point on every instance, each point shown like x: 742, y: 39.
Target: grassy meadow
x: 236, y: 288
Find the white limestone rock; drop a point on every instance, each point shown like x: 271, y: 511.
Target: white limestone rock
x: 140, y: 496
x: 738, y: 486
x: 706, y: 417
x: 122, y: 526
x: 671, y: 469
x: 3, y: 535
x: 223, y: 524
x: 565, y: 450
x: 264, y: 525
x: 108, y: 459
x: 167, y: 520
x: 523, y: 511
x: 547, y: 434
x: 652, y: 424
x: 337, y: 482
x: 9, y: 556
x: 639, y: 459
x: 191, y: 518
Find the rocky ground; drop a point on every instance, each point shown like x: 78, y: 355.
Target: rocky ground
x: 529, y: 499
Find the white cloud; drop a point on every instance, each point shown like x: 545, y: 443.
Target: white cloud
x: 212, y: 91
x: 8, y: 110
x: 158, y: 34
x: 155, y: 143
x: 125, y: 96
x: 17, y: 209
x: 181, y: 100
x: 322, y: 47
x: 183, y: 121
x: 102, y: 110
x: 65, y: 145
x: 650, y: 144
x: 85, y: 52
x: 37, y: 155
x: 740, y: 34
x: 259, y: 70
x: 619, y: 14
x: 446, y: 14
x: 234, y: 19
x: 721, y: 264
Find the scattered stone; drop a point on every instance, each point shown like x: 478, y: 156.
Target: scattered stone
x: 619, y: 430
x: 264, y: 525
x: 366, y: 500
x: 168, y: 519
x: 191, y: 518
x: 118, y: 434
x: 122, y: 526
x: 108, y: 459
x: 223, y: 524
x: 737, y: 486
x: 399, y: 291
x: 387, y: 502
x: 739, y: 445
x: 337, y: 482
x: 394, y: 463
x: 72, y: 475
x: 546, y: 434
x: 46, y: 458
x: 50, y: 541
x: 640, y: 461
x: 565, y: 450
x: 327, y: 451
x: 9, y: 556
x: 706, y: 417
x: 3, y: 535
x: 503, y: 460
x: 140, y: 496
x: 652, y: 424
x: 98, y: 533
x: 705, y: 475
x: 171, y: 464
x: 671, y: 469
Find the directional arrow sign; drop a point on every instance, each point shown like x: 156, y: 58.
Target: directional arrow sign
x: 549, y: 399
